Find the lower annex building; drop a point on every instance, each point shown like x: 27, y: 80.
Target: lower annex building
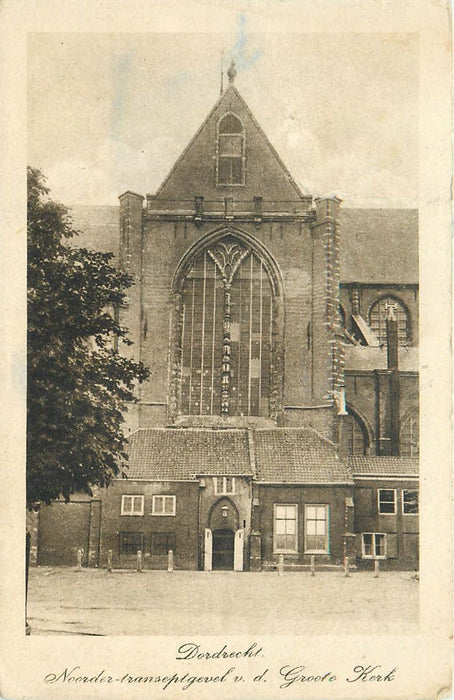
x: 281, y: 415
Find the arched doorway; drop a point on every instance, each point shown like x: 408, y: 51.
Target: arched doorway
x: 223, y: 549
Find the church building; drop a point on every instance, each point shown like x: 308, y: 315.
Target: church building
x: 281, y: 413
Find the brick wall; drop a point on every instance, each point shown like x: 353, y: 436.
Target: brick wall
x: 334, y: 496
x: 403, y: 530
x: 184, y: 524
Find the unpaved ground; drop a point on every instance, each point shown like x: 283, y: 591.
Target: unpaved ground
x: 94, y: 602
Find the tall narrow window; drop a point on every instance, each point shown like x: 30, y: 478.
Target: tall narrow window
x: 285, y: 528
x: 316, y: 529
x: 230, y: 151
x: 354, y: 435
x: 227, y: 333
x: 409, y: 436
x: 378, y: 314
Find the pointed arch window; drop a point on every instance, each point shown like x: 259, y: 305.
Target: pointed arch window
x: 355, y: 437
x: 409, y: 436
x: 230, y: 151
x: 226, y: 327
x: 378, y: 314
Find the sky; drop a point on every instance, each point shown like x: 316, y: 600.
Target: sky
x: 112, y: 112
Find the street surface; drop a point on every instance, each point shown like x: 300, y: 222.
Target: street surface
x: 94, y: 602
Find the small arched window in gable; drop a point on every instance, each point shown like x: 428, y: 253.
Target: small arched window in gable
x: 379, y: 313
x: 230, y: 151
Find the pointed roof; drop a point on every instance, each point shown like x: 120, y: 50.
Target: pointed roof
x: 194, y: 172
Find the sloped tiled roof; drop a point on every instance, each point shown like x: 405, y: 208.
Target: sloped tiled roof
x: 379, y: 245
x: 297, y: 456
x: 384, y: 466
x: 182, y: 453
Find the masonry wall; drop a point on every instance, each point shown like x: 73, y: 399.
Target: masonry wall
x: 184, y: 524
x: 334, y: 496
x: 368, y: 394
x: 402, y: 531
x: 66, y: 527
x: 165, y: 244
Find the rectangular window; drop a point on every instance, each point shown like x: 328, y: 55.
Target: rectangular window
x: 164, y: 505
x: 224, y: 484
x: 285, y: 528
x: 316, y: 528
x: 230, y: 170
x: 387, y: 501
x: 410, y: 502
x: 132, y: 505
x: 130, y: 542
x: 161, y: 542
x: 374, y: 545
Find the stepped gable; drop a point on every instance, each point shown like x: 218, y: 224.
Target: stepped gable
x: 194, y: 172
x: 182, y: 453
x: 298, y: 456
x: 384, y: 466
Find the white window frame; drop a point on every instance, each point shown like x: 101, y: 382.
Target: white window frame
x: 403, y: 509
x: 373, y: 555
x: 220, y: 485
x: 132, y: 510
x: 276, y: 549
x: 166, y: 498
x: 395, y: 501
x: 326, y: 507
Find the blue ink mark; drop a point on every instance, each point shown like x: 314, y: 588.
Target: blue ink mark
x: 243, y: 59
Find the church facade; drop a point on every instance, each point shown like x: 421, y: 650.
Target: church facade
x: 281, y: 414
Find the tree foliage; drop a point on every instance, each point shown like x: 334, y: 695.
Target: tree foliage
x: 78, y: 383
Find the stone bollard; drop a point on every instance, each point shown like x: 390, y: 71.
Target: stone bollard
x: 139, y: 560
x: 280, y: 565
x: 377, y: 569
x: 79, y: 559
x: 312, y: 565
x: 109, y: 561
x: 170, y: 561
x: 347, y: 566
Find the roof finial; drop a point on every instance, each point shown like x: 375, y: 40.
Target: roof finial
x: 232, y: 72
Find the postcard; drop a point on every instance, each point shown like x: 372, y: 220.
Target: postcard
x: 227, y: 373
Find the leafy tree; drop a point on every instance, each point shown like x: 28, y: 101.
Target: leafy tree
x: 78, y: 383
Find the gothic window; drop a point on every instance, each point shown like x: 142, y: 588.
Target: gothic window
x: 355, y: 436
x: 226, y: 333
x: 409, y: 436
x: 230, y: 151
x: 378, y: 314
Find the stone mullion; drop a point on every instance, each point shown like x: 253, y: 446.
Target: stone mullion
x: 226, y: 346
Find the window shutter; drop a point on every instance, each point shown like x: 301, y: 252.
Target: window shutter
x: 391, y: 545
